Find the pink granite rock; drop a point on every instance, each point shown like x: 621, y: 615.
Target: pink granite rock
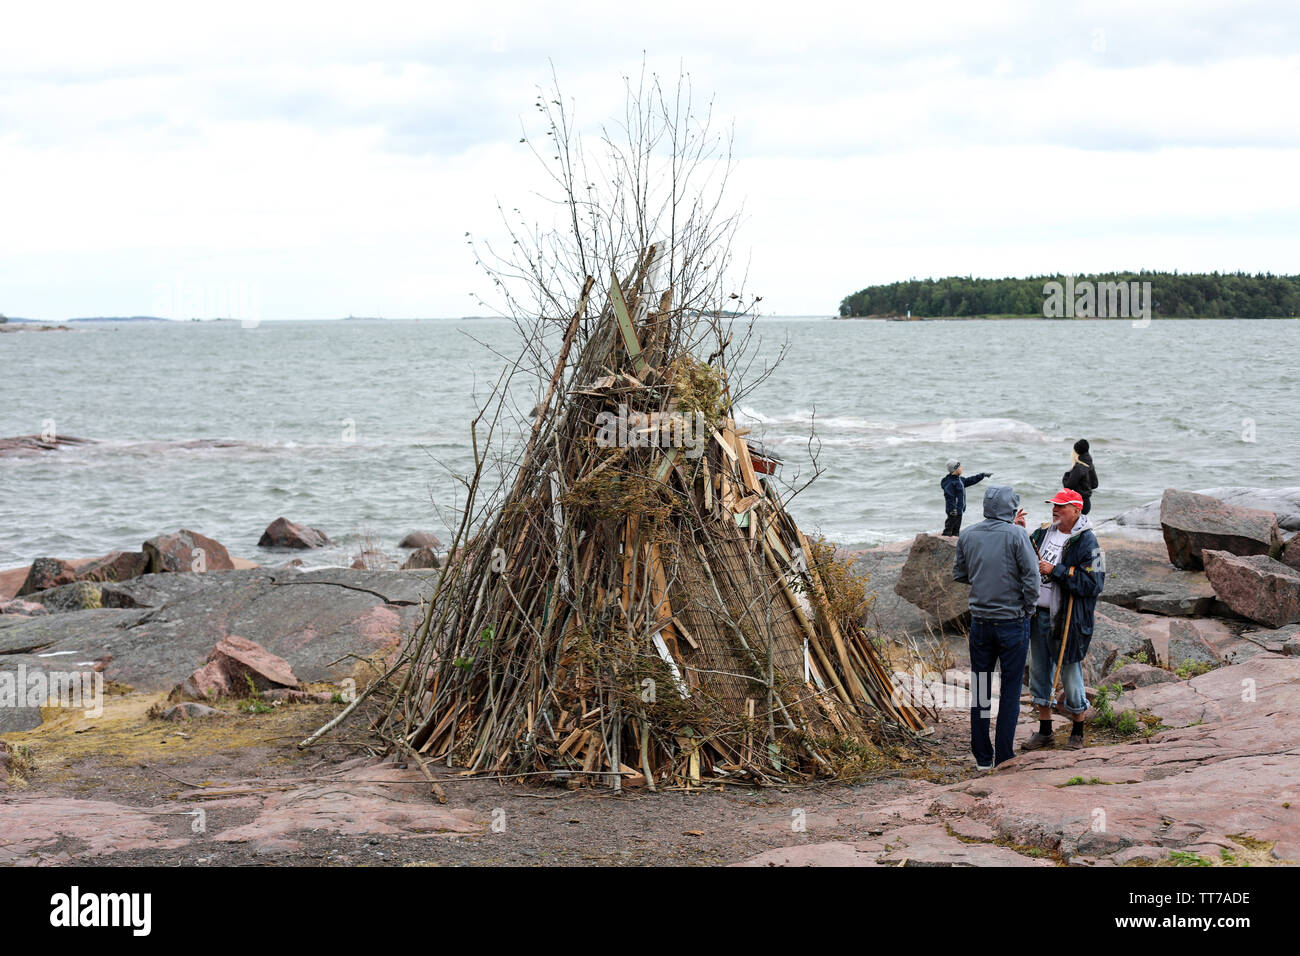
x: 1193, y: 523
x: 35, y: 826
x: 115, y: 566
x: 1291, y: 553
x: 368, y: 806
x: 1256, y: 587
x: 283, y: 533
x: 186, y: 551
x: 1224, y: 774
x: 46, y: 573
x: 229, y: 668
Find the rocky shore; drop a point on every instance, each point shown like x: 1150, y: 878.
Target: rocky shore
x: 1205, y: 661
x: 146, y: 619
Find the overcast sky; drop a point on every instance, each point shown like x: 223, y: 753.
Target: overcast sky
x: 325, y: 160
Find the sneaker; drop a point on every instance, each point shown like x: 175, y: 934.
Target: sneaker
x: 1038, y: 741
x: 1076, y: 743
x: 981, y: 766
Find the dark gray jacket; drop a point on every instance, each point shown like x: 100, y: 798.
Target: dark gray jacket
x: 996, y: 559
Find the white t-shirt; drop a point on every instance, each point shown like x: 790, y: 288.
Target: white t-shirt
x: 1050, y: 550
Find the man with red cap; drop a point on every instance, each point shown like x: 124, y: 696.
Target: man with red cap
x: 1073, y: 572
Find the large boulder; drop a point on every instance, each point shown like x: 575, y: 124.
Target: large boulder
x: 421, y: 539
x: 186, y: 551
x: 1193, y: 523
x: 46, y: 573
x: 1255, y: 586
x: 283, y: 533
x: 233, y: 665
x: 114, y: 566
x: 926, y: 579
x: 889, y: 616
x: 1145, y: 519
x: 421, y: 559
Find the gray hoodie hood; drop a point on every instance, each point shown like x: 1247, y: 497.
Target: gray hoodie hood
x: 996, y: 559
x: 1001, y: 502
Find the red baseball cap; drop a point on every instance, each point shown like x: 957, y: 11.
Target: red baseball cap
x: 1066, y: 497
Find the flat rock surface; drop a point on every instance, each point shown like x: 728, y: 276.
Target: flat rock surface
x: 1217, y: 780
x: 363, y: 802
x: 36, y: 828
x: 73, y: 641
x: 159, y: 628
x: 24, y: 445
x: 126, y: 790
x: 1140, y: 577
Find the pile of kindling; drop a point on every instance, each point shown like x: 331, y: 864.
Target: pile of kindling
x: 640, y: 609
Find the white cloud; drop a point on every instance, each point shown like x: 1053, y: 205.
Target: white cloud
x: 333, y: 159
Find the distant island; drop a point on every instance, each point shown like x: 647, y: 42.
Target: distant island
x: 95, y: 318
x: 121, y: 318
x: 1175, y: 295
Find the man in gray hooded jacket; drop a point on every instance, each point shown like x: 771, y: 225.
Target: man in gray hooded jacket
x: 996, y: 559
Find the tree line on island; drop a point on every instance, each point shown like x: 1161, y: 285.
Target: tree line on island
x: 1176, y: 295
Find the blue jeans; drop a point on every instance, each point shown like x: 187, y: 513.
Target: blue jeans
x: 1043, y: 655
x: 994, y: 642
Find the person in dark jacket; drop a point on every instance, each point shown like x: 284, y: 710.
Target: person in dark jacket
x: 954, y: 495
x: 1073, y: 572
x: 995, y: 558
x: 1082, y: 476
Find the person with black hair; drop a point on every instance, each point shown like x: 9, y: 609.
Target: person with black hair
x: 1082, y: 476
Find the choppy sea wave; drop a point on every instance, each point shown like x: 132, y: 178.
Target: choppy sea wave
x: 361, y: 428
x: 867, y: 433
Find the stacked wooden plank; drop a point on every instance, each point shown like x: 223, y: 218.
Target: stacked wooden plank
x: 639, y: 610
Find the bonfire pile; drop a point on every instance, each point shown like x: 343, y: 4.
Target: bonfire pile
x: 639, y: 608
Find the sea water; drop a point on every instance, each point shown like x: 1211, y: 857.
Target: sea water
x: 360, y: 428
